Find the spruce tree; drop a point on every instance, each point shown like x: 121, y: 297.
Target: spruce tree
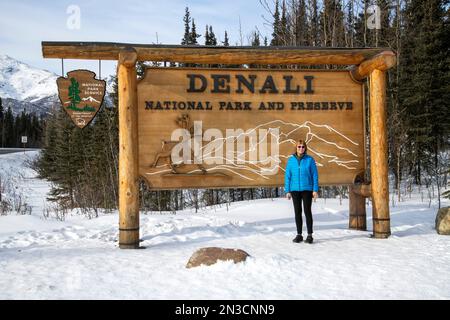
x: 9, y: 129
x: 301, y: 24
x: 255, y: 42
x: 187, y: 31
x: 207, y: 40
x: 315, y: 25
x: 332, y: 24
x: 2, y: 122
x: 193, y: 35
x: 276, y: 26
x: 350, y: 27
x: 212, y: 37
x: 226, y: 41
x: 284, y: 37
x: 255, y: 39
x: 36, y: 132
x: 424, y: 82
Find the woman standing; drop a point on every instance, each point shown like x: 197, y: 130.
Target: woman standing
x: 301, y: 183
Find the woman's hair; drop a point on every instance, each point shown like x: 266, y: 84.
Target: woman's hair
x: 302, y: 142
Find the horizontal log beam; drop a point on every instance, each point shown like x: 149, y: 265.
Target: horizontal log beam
x: 211, y: 54
x: 382, y: 61
x: 362, y: 190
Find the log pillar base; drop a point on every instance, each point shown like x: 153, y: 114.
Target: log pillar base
x: 357, y: 213
x: 381, y: 228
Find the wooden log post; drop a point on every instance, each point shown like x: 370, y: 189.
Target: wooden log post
x: 357, y: 206
x: 379, y: 155
x: 128, y: 151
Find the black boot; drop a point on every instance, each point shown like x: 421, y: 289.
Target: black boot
x: 309, y: 239
x: 298, y: 238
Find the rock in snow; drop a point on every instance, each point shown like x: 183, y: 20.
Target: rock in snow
x: 443, y: 221
x: 209, y: 256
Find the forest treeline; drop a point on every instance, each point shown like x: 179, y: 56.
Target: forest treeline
x: 14, y: 127
x: 83, y: 164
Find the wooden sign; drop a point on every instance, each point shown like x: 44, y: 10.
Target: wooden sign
x: 81, y: 95
x: 206, y: 128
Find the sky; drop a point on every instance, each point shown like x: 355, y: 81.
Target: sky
x: 25, y: 23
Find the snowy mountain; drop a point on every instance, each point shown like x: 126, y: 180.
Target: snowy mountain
x: 22, y: 82
x: 25, y: 87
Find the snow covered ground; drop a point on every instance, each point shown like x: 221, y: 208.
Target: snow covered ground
x: 79, y: 258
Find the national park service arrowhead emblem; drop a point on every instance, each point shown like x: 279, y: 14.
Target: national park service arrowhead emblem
x: 81, y: 95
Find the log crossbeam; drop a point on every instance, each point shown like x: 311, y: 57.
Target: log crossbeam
x: 212, y: 54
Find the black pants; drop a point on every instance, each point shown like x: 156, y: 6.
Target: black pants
x: 297, y: 198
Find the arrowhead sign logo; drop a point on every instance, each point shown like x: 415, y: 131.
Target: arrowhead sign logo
x: 81, y: 95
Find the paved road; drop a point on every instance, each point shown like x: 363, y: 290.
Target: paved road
x: 12, y: 150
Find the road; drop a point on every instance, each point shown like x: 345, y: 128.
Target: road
x: 12, y: 150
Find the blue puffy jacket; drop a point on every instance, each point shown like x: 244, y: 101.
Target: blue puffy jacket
x: 301, y: 174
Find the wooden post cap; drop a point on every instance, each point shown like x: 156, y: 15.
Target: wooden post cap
x: 128, y: 57
x: 382, y: 61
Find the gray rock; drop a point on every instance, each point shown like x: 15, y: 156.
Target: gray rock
x: 211, y: 255
x: 443, y: 221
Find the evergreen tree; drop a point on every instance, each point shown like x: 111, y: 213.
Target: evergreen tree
x: 212, y: 37
x: 59, y: 162
x: 255, y: 42
x: 315, y: 39
x: 2, y: 124
x: 255, y: 39
x: 332, y: 24
x: 193, y: 35
x: 276, y: 26
x: 35, y: 131
x: 207, y: 39
x: 9, y: 132
x: 350, y: 34
x: 226, y: 41
x: 301, y: 24
x: 284, y: 37
x: 424, y: 81
x: 187, y: 31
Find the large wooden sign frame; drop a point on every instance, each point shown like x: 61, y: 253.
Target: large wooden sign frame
x: 245, y: 124
x: 363, y: 62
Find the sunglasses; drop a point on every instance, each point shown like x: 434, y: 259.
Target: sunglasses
x: 301, y: 147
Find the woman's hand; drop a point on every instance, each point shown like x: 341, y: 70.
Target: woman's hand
x: 315, y: 195
x: 288, y: 196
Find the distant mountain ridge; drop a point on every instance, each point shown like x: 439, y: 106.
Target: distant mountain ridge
x: 23, y: 87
